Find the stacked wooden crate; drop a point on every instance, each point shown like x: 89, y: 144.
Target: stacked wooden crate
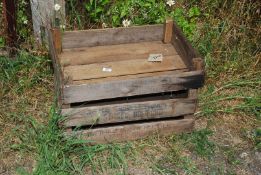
x: 109, y: 91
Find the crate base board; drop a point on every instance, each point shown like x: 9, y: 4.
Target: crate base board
x: 127, y: 132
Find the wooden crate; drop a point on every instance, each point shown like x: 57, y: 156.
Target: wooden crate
x: 105, y: 82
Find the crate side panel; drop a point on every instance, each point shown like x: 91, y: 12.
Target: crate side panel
x: 173, y: 81
x: 116, y: 113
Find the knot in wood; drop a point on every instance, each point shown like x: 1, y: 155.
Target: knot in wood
x: 125, y: 90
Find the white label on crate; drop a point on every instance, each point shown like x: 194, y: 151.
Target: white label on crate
x: 107, y: 69
x: 155, y: 58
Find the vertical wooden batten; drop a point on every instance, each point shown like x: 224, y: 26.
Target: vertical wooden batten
x: 198, y: 63
x: 56, y: 32
x: 168, y: 30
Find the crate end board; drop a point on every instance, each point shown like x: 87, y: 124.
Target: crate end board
x: 128, y: 132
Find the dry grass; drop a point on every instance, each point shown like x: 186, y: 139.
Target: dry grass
x: 26, y: 94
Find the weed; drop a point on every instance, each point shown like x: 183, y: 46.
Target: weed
x: 230, y: 155
x: 176, y: 163
x: 57, y: 154
x: 257, y: 138
x: 199, y: 142
x: 138, y: 12
x: 96, y: 9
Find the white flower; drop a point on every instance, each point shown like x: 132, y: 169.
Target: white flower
x: 243, y: 155
x: 57, y: 7
x: 62, y: 26
x: 25, y: 21
x: 104, y: 25
x: 126, y: 23
x: 170, y: 2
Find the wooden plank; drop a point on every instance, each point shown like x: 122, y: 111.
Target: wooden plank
x: 168, y: 30
x: 183, y: 47
x: 173, y: 81
x: 126, y: 77
x: 116, y: 113
x: 100, y: 54
x: 100, y: 37
x: 134, y: 99
x: 128, y: 132
x: 126, y: 67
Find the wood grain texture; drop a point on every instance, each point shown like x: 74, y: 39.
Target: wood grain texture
x: 172, y: 81
x: 56, y: 68
x: 115, y: 113
x: 126, y: 67
x: 198, y: 63
x: 128, y: 132
x: 125, y: 77
x: 168, y: 30
x: 183, y: 47
x: 101, y: 54
x: 100, y: 37
x: 56, y: 34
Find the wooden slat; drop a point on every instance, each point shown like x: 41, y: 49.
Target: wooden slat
x: 126, y: 77
x: 57, y: 70
x: 99, y: 37
x: 128, y: 112
x: 135, y: 131
x: 100, y: 54
x: 127, y: 67
x: 173, y: 81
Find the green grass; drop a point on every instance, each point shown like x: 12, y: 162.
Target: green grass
x: 41, y: 137
x: 57, y: 154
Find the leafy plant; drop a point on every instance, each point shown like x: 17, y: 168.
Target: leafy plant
x: 187, y: 20
x: 257, y: 138
x: 23, y: 21
x: 96, y: 9
x: 199, y: 142
x: 139, y: 12
x: 2, y: 42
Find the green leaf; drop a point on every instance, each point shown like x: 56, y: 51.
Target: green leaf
x: 194, y: 11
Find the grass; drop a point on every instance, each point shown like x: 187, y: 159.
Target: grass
x: 227, y: 125
x: 23, y: 82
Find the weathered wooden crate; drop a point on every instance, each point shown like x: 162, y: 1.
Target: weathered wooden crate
x: 108, y: 89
